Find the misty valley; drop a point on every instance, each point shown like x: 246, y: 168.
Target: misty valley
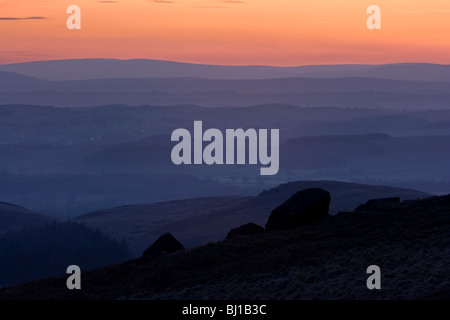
x: 96, y: 169
x: 50, y: 164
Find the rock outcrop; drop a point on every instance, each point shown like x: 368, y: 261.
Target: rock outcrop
x: 378, y: 204
x: 164, y: 244
x: 245, y: 230
x: 304, y: 207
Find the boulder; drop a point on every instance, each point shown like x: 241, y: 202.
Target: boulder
x: 376, y: 205
x: 305, y: 207
x: 245, y: 230
x: 164, y: 244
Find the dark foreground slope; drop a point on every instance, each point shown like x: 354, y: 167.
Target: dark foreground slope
x: 410, y: 242
x: 45, y: 251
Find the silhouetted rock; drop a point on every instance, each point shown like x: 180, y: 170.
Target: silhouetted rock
x: 304, y: 207
x: 378, y: 204
x: 164, y: 244
x: 245, y: 230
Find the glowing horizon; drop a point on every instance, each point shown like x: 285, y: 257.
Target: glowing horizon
x: 227, y: 32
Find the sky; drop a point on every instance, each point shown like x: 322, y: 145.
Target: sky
x: 228, y: 32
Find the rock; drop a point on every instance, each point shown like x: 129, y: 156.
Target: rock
x: 304, y: 207
x: 378, y: 204
x: 244, y: 230
x: 164, y: 244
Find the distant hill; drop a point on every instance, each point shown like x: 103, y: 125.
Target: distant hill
x: 14, y: 218
x: 193, y: 221
x: 153, y: 151
x: 10, y: 81
x: 83, y: 69
x: 198, y: 221
x: 15, y: 82
x: 343, y: 91
x: 327, y: 155
x: 93, y: 82
x: 323, y: 261
x: 22, y: 124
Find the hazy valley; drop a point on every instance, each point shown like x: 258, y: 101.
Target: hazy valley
x: 89, y: 141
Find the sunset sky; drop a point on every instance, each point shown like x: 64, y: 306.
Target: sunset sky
x: 247, y: 32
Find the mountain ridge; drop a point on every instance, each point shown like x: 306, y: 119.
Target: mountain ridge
x: 14, y: 217
x: 78, y: 69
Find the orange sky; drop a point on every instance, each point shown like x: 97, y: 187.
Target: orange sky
x: 247, y: 32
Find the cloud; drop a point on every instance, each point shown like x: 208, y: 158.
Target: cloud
x: 210, y: 7
x: 161, y: 1
x: 207, y: 6
x: 24, y: 53
x: 17, y: 18
x: 411, y: 12
x: 425, y: 11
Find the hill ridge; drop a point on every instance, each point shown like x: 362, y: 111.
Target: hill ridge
x: 138, y: 68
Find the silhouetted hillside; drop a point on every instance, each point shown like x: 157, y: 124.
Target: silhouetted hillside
x: 48, y: 250
x: 409, y: 241
x: 69, y: 195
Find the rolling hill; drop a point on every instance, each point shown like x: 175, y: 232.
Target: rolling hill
x: 91, y: 82
x: 15, y: 82
x: 83, y: 69
x: 198, y: 221
x: 13, y: 217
